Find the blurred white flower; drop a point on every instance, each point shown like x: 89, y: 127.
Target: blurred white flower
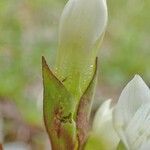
x: 132, y: 115
x: 103, y: 125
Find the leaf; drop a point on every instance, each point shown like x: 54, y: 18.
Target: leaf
x: 84, y: 111
x: 59, y: 108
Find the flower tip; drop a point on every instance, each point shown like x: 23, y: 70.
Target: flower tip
x: 138, y: 81
x: 103, y: 113
x: 137, y: 77
x: 106, y: 105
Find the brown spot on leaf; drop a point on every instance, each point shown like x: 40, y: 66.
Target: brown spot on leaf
x: 59, y: 119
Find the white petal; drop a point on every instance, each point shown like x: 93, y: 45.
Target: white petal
x: 82, y: 23
x: 135, y: 94
x: 103, y: 114
x: 145, y: 146
x: 103, y: 126
x: 128, y: 114
x: 138, y: 130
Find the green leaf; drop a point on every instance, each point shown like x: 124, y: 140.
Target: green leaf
x: 59, y: 108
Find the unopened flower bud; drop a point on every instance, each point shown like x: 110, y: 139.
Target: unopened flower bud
x: 82, y: 25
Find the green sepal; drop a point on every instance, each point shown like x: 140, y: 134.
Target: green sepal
x: 58, y: 109
x: 121, y: 146
x: 84, y: 111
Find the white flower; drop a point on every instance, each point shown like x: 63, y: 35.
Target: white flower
x: 132, y: 115
x: 103, y: 125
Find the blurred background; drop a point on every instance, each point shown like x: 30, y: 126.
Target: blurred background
x: 29, y: 29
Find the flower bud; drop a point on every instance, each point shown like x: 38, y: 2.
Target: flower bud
x: 82, y: 25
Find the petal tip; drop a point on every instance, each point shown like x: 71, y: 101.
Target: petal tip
x: 103, y: 113
x: 137, y: 77
x: 139, y: 82
x: 106, y: 106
